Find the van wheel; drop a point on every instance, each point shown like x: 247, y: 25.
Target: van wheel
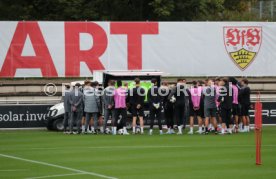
x: 58, y: 125
x: 49, y: 126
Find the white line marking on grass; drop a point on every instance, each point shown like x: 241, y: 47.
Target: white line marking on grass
x: 61, y: 175
x: 58, y: 166
x: 13, y: 170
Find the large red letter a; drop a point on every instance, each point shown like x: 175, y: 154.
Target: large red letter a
x: 15, y: 60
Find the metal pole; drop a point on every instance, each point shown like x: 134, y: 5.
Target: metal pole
x: 261, y: 9
x: 272, y: 10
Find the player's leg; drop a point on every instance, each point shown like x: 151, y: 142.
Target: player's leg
x: 191, y: 125
x: 200, y: 122
x: 78, y: 120
x: 83, y: 119
x: 219, y: 117
x: 181, y: 119
x: 236, y: 121
x: 65, y: 121
x: 123, y: 112
x: 115, y: 122
x: 248, y: 119
x: 71, y: 122
x: 178, y: 119
x: 173, y: 121
x: 168, y: 122
x: 240, y: 118
x: 91, y: 124
x: 186, y: 117
x: 235, y: 117
x: 191, y: 114
x: 96, y: 119
x: 112, y: 114
x: 223, y: 124
x: 244, y: 119
x: 246, y: 114
x: 158, y: 116
x: 248, y: 123
x: 214, y: 123
x: 100, y: 122
x: 214, y: 119
x: 141, y: 118
x: 169, y: 118
x: 197, y: 115
x: 87, y: 120
x: 229, y: 122
x: 207, y: 119
x: 152, y: 117
x: 134, y: 119
x: 106, y: 117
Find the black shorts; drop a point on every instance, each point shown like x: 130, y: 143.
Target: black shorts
x: 210, y: 112
x: 235, y: 109
x: 137, y: 112
x: 245, y: 110
x: 198, y: 112
x: 226, y: 116
x: 202, y: 109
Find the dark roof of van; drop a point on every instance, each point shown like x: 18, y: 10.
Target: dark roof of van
x: 134, y: 73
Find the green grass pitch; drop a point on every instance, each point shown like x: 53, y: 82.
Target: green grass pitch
x: 44, y: 154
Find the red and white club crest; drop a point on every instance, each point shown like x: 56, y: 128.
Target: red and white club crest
x: 242, y: 44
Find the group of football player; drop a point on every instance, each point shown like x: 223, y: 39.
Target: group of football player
x: 219, y: 106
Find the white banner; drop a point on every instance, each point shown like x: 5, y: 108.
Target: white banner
x: 66, y: 49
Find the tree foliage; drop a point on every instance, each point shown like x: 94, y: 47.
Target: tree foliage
x: 127, y: 10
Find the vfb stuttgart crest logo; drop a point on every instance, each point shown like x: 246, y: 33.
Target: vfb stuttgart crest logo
x: 242, y: 44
